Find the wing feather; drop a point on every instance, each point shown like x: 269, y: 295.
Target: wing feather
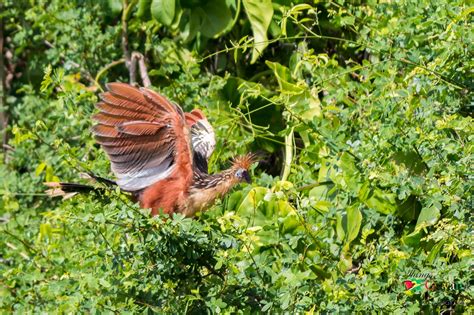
x: 122, y: 102
x: 202, y: 134
x: 109, y: 109
x: 109, y: 119
x: 140, y: 128
x: 144, y: 135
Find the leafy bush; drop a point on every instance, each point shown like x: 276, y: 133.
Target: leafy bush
x: 362, y: 113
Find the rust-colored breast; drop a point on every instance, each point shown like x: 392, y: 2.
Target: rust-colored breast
x: 171, y: 194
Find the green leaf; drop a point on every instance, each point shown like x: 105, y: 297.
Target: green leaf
x: 435, y: 251
x: 163, y: 11
x: 347, y: 20
x: 411, y: 160
x: 290, y: 223
x: 413, y: 239
x: 105, y: 283
x: 192, y: 24
x: 144, y: 7
x: 260, y: 14
x: 428, y: 216
x: 283, y: 76
x: 381, y: 201
x: 341, y: 234
x: 234, y: 200
x: 115, y: 6
x: 354, y: 221
x: 409, y: 209
x: 350, y: 172
x: 216, y: 17
x: 320, y: 198
x: 304, y: 104
x: 47, y: 80
x: 250, y: 207
x: 45, y: 232
x: 40, y: 168
x: 345, y: 262
x: 267, y: 306
x: 324, y: 170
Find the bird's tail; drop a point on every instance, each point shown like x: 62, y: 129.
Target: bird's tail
x: 68, y: 190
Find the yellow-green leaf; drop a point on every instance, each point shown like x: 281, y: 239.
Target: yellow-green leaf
x: 260, y: 13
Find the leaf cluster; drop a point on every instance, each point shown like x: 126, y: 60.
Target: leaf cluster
x: 361, y: 113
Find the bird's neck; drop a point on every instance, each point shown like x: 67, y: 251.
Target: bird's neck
x: 203, y: 180
x: 206, y: 188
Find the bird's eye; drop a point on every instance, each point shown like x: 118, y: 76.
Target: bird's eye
x: 243, y: 175
x: 239, y: 173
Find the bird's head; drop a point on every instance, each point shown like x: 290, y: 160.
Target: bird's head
x: 242, y: 175
x: 241, y: 166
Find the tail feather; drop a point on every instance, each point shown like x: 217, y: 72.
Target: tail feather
x: 68, y: 190
x: 94, y: 178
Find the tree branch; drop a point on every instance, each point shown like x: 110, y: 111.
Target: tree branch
x: 126, y: 51
x: 140, y: 59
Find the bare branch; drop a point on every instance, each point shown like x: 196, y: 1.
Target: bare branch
x: 133, y: 70
x: 140, y: 59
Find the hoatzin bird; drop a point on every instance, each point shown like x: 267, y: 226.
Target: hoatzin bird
x: 158, y: 152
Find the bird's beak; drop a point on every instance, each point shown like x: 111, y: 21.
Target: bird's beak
x: 247, y: 178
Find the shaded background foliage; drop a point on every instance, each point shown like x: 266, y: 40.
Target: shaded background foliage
x: 362, y: 112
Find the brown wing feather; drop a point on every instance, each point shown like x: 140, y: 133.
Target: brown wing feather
x: 140, y: 128
x: 144, y: 135
x: 128, y: 113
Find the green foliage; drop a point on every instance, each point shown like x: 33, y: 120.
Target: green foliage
x: 163, y: 11
x: 362, y: 114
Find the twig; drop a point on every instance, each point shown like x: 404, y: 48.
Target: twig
x: 87, y: 75
x: 28, y: 247
x: 314, y: 185
x: 279, y: 39
x: 152, y: 307
x: 22, y: 194
x: 257, y: 270
x: 452, y: 83
x: 108, y: 67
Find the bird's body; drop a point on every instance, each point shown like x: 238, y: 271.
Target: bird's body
x: 159, y: 153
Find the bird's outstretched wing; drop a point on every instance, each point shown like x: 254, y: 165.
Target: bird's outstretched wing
x: 202, y: 138
x: 144, y: 135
